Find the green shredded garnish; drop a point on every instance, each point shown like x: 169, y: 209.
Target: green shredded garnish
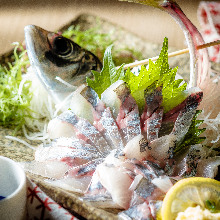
x: 192, y: 137
x: 14, y: 102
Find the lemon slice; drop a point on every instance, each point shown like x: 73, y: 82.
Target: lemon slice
x: 191, y: 192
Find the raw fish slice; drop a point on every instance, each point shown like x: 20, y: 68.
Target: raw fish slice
x: 92, y: 97
x: 62, y: 154
x: 111, y: 98
x: 208, y: 167
x: 153, y: 99
x: 186, y: 115
x: 128, y: 119
x: 129, y: 124
x: 151, y: 117
x: 144, y: 211
x: 109, y: 129
x: 162, y: 149
x: 78, y: 185
x: 103, y: 119
x: 117, y: 182
x: 164, y: 183
x: 124, y: 110
x: 81, y: 106
x: 97, y: 114
x: 130, y: 182
x: 47, y: 168
x: 57, y: 128
x: 187, y: 164
x: 153, y: 124
x: 71, y: 151
x: 142, y: 189
x: 86, y: 169
x: 86, y: 104
x: 148, y: 169
x: 113, y: 174
x: 97, y: 195
x: 146, y: 191
x: 137, y: 148
x: 151, y: 183
x: 83, y: 130
x: 95, y: 187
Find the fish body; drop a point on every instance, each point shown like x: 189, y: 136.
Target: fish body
x: 60, y: 64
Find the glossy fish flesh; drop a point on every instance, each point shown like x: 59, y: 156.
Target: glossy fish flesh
x: 115, y: 157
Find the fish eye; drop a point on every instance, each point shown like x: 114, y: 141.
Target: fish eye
x: 62, y: 46
x: 87, y: 57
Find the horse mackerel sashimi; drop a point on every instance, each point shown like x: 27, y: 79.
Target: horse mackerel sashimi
x: 134, y: 170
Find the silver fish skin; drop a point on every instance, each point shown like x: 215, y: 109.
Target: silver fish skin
x: 52, y: 55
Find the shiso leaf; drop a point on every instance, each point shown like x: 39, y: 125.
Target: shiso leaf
x: 108, y: 75
x: 159, y: 73
x: 173, y: 91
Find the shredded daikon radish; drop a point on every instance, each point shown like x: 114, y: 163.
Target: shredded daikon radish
x: 42, y: 106
x: 20, y: 141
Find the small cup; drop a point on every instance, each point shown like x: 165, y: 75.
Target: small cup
x: 12, y: 190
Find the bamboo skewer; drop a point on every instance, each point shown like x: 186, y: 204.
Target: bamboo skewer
x: 173, y: 54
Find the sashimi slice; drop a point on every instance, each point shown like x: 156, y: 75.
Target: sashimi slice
x: 208, y: 167
x: 69, y: 150
x: 82, y: 129
x: 153, y: 124
x: 137, y: 148
x: 187, y: 163
x: 109, y: 129
x: 47, y: 169
x: 117, y: 182
x: 78, y: 185
x: 124, y: 109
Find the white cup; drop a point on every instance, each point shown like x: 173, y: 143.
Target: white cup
x: 13, y: 188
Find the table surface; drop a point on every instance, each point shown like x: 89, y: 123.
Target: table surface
x: 149, y: 23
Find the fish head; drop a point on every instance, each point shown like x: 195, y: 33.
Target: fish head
x: 60, y: 64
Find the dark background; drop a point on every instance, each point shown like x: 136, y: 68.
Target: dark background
x: 147, y: 22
